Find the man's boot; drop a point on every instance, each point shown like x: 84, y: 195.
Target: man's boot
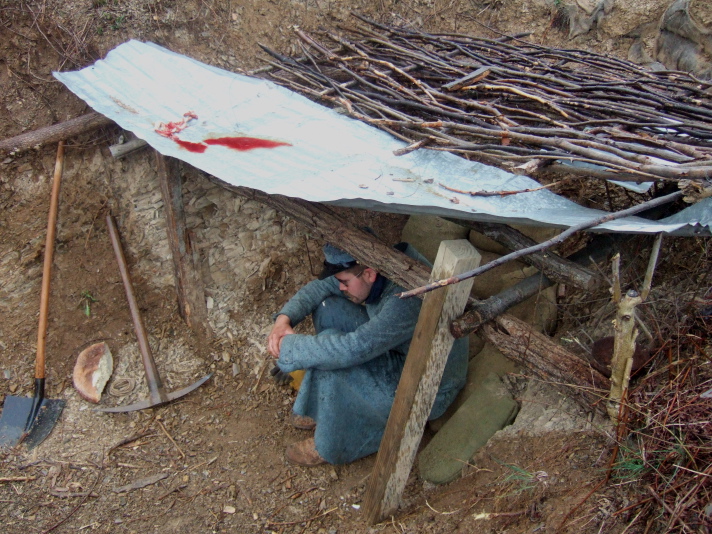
x: 304, y: 453
x: 302, y: 422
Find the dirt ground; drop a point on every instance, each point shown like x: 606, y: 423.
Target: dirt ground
x: 214, y: 460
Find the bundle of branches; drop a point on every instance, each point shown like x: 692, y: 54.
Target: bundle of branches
x: 511, y: 103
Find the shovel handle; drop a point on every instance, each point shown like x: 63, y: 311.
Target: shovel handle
x: 47, y: 269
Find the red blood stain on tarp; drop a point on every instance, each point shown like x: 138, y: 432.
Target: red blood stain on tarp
x: 198, y: 148
x: 245, y: 143
x: 236, y: 143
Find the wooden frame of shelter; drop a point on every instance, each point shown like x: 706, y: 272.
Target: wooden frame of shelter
x: 441, y: 317
x: 559, y: 102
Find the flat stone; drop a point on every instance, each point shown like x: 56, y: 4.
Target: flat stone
x: 487, y: 360
x: 425, y: 232
x: 487, y: 410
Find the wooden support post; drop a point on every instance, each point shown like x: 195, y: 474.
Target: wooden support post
x: 189, y: 287
x: 420, y: 380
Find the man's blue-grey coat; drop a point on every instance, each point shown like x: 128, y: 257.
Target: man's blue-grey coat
x: 354, y: 363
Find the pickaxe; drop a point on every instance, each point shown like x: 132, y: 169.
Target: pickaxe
x: 157, y: 393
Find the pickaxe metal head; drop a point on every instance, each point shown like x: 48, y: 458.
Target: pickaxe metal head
x: 151, y: 403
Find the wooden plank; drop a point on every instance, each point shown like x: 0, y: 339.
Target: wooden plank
x: 189, y: 287
x: 420, y: 380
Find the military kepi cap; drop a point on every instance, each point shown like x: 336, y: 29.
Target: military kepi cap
x: 336, y: 260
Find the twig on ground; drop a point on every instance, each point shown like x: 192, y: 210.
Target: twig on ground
x: 81, y: 503
x: 182, y: 455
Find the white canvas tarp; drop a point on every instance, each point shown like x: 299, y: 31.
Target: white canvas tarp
x: 283, y: 143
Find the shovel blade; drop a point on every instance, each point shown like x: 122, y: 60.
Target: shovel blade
x: 47, y: 417
x: 17, y: 425
x: 15, y: 413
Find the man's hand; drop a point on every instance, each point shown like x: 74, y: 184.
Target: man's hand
x: 282, y: 327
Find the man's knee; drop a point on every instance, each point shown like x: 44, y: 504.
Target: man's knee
x: 340, y: 314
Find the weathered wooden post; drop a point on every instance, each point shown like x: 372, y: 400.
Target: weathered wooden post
x: 189, y: 286
x: 420, y: 380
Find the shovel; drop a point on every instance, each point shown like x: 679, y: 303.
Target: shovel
x: 25, y: 419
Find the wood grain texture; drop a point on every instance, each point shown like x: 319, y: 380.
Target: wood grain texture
x: 547, y: 360
x: 54, y: 133
x: 419, y: 382
x: 189, y: 286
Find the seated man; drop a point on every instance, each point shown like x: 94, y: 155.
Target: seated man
x: 354, y: 362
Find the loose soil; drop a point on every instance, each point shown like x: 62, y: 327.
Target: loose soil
x: 214, y: 460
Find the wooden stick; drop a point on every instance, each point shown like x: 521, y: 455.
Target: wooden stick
x: 625, y: 331
x: 47, y: 266
x: 419, y: 383
x: 426, y: 78
x: 182, y: 455
x: 54, y: 133
x: 81, y: 503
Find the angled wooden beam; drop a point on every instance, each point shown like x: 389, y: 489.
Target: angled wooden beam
x: 189, y: 286
x: 552, y: 265
x: 419, y: 381
x: 324, y: 222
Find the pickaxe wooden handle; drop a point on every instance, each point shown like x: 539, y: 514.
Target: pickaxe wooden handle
x: 157, y: 392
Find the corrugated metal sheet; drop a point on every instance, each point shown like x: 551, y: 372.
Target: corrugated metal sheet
x: 286, y: 144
